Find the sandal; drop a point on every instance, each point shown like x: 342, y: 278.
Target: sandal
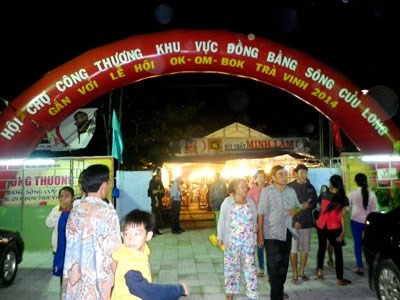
x: 320, y: 275
x: 343, y: 282
x: 295, y: 279
x: 359, y: 272
x: 304, y: 277
x: 229, y: 297
x: 330, y: 263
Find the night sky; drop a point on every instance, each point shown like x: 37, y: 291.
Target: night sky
x: 357, y: 38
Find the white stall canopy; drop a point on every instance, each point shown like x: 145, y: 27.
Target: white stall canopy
x: 238, y: 151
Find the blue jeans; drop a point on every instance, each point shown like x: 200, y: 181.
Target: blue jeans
x: 357, y: 230
x: 260, y: 256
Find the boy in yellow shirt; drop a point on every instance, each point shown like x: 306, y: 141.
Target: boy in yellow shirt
x: 133, y: 273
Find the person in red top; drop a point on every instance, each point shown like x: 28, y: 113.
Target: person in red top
x: 331, y: 226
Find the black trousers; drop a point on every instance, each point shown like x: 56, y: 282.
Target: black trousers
x: 155, y: 209
x: 175, y: 213
x: 278, y: 256
x: 325, y: 235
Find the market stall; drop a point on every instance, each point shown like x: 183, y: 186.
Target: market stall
x: 233, y: 151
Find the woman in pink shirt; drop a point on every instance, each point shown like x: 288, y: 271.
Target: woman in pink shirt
x: 260, y: 179
x: 362, y: 202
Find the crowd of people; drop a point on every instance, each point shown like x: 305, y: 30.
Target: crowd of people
x: 263, y: 226
x: 285, y: 223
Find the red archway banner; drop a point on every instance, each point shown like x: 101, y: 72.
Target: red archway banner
x: 61, y: 91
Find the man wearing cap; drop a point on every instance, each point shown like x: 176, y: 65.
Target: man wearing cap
x: 307, y: 197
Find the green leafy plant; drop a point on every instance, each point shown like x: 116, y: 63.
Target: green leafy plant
x: 395, y: 201
x: 388, y: 198
x: 383, y: 197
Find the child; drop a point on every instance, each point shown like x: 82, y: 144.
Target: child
x: 133, y: 273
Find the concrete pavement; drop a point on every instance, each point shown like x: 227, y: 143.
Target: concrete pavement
x: 189, y: 257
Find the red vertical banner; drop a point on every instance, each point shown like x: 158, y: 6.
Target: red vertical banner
x: 337, y: 138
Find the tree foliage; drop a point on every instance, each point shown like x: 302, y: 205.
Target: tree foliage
x: 154, y: 138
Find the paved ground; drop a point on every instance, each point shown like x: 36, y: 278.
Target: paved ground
x: 190, y: 258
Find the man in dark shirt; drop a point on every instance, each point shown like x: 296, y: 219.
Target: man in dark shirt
x: 156, y: 192
x: 218, y: 192
x: 307, y: 197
